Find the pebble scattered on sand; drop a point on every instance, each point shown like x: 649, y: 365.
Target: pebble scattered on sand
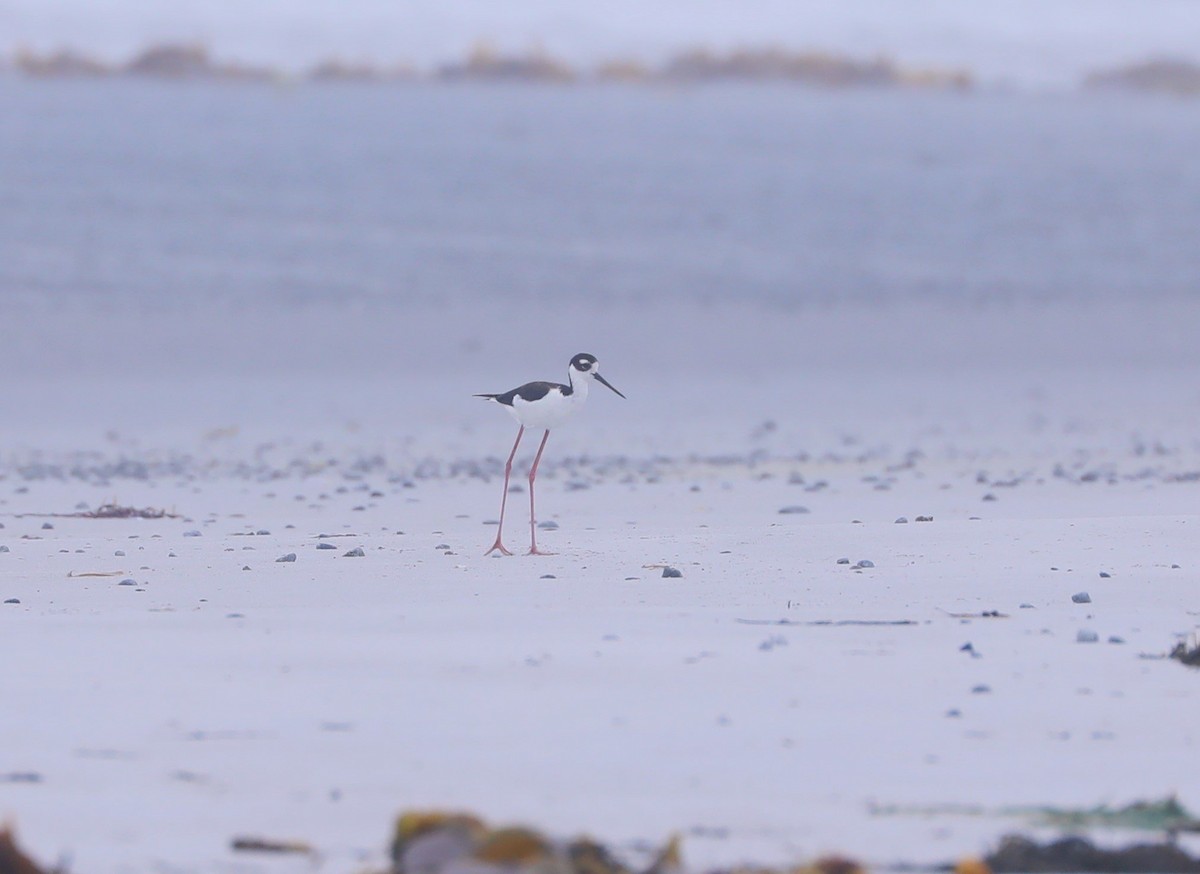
x: 843, y: 561
x: 357, y: 552
x: 1081, y: 598
x: 791, y: 509
x: 924, y: 518
x: 672, y: 572
x: 323, y: 545
x: 127, y: 582
x: 1105, y: 575
x: 291, y: 556
x: 1086, y: 635
x: 4, y: 549
x: 12, y: 601
x: 547, y: 577
x: 865, y: 563
x: 548, y: 526
x: 902, y: 520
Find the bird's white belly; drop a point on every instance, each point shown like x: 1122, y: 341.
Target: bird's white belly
x: 546, y: 412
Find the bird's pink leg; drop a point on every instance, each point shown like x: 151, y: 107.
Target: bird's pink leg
x: 533, y: 550
x: 504, y: 500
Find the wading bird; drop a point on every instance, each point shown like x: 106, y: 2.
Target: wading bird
x: 543, y: 405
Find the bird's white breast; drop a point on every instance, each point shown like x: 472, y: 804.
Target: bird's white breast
x: 546, y: 412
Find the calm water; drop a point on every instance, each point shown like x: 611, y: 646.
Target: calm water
x: 156, y: 194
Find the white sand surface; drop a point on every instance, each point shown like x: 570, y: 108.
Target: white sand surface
x: 226, y: 693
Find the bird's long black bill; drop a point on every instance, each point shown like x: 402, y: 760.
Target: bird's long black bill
x: 604, y: 382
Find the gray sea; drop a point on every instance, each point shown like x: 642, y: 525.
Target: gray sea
x: 151, y: 193
x: 299, y: 258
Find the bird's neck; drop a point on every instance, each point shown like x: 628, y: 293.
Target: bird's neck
x: 579, y: 385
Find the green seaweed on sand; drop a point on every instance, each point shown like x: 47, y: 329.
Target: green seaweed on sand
x: 1165, y: 815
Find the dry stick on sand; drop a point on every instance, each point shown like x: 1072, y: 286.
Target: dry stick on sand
x: 108, y: 511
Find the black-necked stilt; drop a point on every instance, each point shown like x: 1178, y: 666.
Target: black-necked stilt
x: 543, y: 405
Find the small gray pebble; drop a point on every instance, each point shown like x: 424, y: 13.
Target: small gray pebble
x: 1116, y: 639
x: 866, y: 562
x: 324, y: 545
x: 357, y: 552
x: 981, y: 689
x: 843, y: 561
x: 291, y: 556
x: 1081, y: 598
x: 120, y: 553
x: 4, y: 549
x: 548, y: 526
x: 793, y: 508
x: 442, y: 546
x: 262, y: 531
x: 954, y: 713
x: 234, y: 616
x: 1025, y: 605
x: 924, y: 518
x: 903, y: 520
x: 192, y: 533
x: 12, y: 600
x: 46, y: 526
x: 672, y: 572
x: 989, y: 497
x: 1086, y: 636
x: 547, y: 577
x: 245, y: 567
x: 1105, y: 575
x: 127, y: 582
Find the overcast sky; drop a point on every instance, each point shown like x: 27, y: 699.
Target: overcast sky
x: 1047, y: 42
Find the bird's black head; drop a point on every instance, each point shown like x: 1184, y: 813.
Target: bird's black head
x: 583, y: 362
x: 588, y: 366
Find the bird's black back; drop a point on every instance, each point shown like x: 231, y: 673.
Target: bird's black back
x: 530, y: 391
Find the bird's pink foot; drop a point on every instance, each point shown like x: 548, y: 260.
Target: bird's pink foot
x: 498, y: 545
x: 533, y: 550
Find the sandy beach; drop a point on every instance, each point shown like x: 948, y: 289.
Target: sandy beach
x: 912, y: 407
x: 873, y: 648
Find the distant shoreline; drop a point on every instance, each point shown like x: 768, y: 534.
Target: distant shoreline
x: 190, y: 62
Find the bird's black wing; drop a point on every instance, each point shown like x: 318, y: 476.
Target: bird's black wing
x: 530, y: 391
